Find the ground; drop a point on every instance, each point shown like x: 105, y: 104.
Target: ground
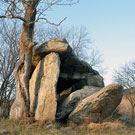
x: 12, y: 127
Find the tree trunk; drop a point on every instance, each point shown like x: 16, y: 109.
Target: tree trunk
x: 23, y: 66
x: 132, y: 111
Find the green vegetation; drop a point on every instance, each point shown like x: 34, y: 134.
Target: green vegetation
x: 12, y: 127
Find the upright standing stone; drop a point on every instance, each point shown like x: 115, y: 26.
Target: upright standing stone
x: 46, y: 106
x: 34, y: 84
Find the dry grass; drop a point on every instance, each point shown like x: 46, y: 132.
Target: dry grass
x: 11, y: 127
x: 116, y: 127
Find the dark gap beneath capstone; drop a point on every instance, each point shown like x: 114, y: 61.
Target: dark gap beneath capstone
x: 74, y: 84
x: 64, y: 88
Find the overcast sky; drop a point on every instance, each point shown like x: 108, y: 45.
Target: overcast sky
x: 111, y: 24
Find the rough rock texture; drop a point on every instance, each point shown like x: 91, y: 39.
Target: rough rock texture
x: 95, y: 80
x: 18, y: 109
x: 34, y: 84
x: 57, y: 45
x: 46, y: 107
x: 98, y: 106
x: 68, y: 105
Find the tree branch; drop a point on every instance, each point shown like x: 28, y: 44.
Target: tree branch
x: 47, y: 21
x: 64, y: 4
x: 14, y: 17
x: 70, y: 3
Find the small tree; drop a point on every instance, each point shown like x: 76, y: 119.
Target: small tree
x: 29, y: 12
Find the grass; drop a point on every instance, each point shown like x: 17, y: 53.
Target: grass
x: 12, y: 127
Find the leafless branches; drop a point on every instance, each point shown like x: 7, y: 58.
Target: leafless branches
x: 14, y: 9
x: 125, y: 75
x: 47, y: 21
x: 9, y: 45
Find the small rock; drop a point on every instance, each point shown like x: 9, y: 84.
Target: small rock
x: 68, y: 130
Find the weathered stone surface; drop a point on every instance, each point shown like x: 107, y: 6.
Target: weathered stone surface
x: 18, y: 109
x: 57, y: 45
x: 95, y: 80
x: 68, y: 105
x: 34, y: 84
x: 46, y: 107
x: 98, y: 106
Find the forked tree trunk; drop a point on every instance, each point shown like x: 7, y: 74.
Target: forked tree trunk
x: 20, y: 107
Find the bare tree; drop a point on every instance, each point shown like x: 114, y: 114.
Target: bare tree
x: 29, y: 12
x: 9, y: 45
x: 125, y: 75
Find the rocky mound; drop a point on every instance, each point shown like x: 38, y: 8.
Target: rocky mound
x: 62, y: 87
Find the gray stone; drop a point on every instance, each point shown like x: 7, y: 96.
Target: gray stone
x: 68, y: 130
x: 98, y: 106
x: 47, y: 104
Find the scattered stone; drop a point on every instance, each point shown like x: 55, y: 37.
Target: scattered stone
x: 49, y: 126
x: 68, y: 130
